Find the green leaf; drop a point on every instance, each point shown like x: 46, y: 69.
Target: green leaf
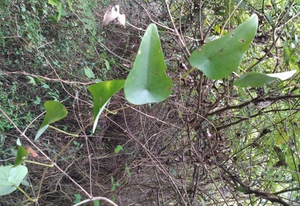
x: 11, y: 177
x: 37, y: 101
x: 253, y: 79
x: 281, y: 138
x: 118, y: 149
x: 107, y: 64
x: 77, y: 198
x: 147, y: 82
x: 21, y: 155
x: 58, y: 5
x: 96, y: 203
x: 256, y: 79
x: 219, y: 58
x: 54, y: 111
x: 102, y: 92
x: 60, y: 10
x: 54, y: 2
x: 89, y: 73
x: 241, y: 189
x: 31, y: 80
x: 40, y: 132
x: 70, y: 5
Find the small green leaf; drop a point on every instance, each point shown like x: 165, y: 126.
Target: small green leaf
x: 127, y: 170
x: 89, y: 73
x: 45, y: 86
x: 96, y: 203
x: 55, y: 111
x: 54, y: 2
x: 102, y: 92
x: 107, y: 65
x: 147, y: 82
x: 58, y: 5
x: 11, y: 177
x: 118, y: 149
x: 60, y: 11
x: 21, y: 155
x: 70, y: 5
x: 281, y: 138
x: 256, y: 79
x: 241, y: 189
x: 37, y: 101
x: 31, y: 80
x: 219, y: 58
x: 77, y: 198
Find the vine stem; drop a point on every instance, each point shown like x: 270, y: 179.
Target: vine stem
x: 66, y: 133
x: 29, y: 198
x: 38, y: 163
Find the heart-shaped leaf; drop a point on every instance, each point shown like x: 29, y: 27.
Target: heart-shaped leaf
x: 102, y: 92
x: 54, y: 111
x: 21, y: 155
x: 219, y: 58
x: 11, y: 177
x: 147, y: 82
x: 256, y: 79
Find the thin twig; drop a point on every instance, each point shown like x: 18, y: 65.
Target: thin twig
x: 176, y: 31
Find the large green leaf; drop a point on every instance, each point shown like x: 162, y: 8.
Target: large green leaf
x: 102, y: 92
x: 147, y: 82
x: 54, y: 111
x: 219, y: 58
x: 11, y: 177
x: 256, y: 79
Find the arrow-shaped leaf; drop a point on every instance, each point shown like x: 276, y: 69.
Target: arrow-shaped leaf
x: 256, y: 79
x: 102, y: 92
x: 54, y: 111
x: 147, y: 82
x: 219, y: 58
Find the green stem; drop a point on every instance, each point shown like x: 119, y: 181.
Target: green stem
x: 38, y: 163
x: 188, y: 72
x: 29, y: 198
x: 67, y: 133
x: 111, y: 112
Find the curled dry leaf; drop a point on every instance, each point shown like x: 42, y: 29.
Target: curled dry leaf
x: 112, y: 14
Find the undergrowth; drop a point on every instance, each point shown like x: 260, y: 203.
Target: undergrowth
x: 200, y: 146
